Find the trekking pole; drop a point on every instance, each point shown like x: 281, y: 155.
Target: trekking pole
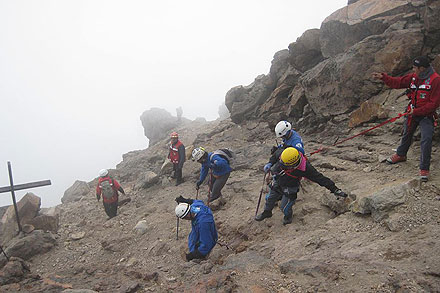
x: 197, y: 194
x: 1, y: 248
x: 261, y: 193
x: 210, y: 187
x: 177, y: 231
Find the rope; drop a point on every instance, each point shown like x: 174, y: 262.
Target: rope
x: 360, y: 133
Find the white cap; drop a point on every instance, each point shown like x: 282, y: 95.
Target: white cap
x: 103, y: 173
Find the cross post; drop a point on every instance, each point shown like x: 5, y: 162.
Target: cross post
x: 13, y: 187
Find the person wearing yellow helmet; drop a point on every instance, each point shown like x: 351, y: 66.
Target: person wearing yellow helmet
x: 291, y: 167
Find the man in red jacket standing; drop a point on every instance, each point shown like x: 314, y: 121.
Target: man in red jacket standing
x: 108, y: 188
x: 424, y: 91
x: 177, y: 156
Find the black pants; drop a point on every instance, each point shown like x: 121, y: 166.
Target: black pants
x: 111, y: 209
x: 177, y: 173
x: 216, y: 186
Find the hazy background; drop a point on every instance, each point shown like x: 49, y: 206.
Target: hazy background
x: 75, y: 76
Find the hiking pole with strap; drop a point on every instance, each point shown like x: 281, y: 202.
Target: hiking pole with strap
x: 177, y: 231
x: 1, y: 248
x: 261, y: 193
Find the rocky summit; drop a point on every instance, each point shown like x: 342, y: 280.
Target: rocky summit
x: 384, y: 237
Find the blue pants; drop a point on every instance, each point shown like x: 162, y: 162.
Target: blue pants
x: 427, y: 130
x: 287, y: 202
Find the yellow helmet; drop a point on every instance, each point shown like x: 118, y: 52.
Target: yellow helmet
x: 290, y: 158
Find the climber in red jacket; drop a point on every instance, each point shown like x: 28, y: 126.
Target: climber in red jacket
x: 108, y: 188
x: 424, y: 92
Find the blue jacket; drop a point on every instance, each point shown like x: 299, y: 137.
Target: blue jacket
x: 218, y: 165
x: 203, y: 236
x: 294, y: 141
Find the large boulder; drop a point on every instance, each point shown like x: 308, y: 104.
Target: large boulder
x: 158, y: 123
x: 381, y: 202
x: 27, y: 207
x: 353, y: 23
x: 27, y: 245
x: 76, y: 191
x: 306, y: 51
x: 14, y: 271
x: 340, y: 84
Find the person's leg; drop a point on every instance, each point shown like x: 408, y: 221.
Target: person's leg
x: 217, y: 186
x: 427, y: 131
x: 271, y: 200
x: 174, y: 171
x: 287, y: 203
x: 178, y: 173
x: 408, y: 133
x: 107, y: 208
x: 113, y: 209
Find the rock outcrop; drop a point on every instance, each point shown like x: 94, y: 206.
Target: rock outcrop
x: 327, y: 72
x: 76, y: 191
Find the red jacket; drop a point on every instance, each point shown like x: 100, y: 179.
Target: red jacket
x: 115, y: 187
x: 174, y: 152
x: 425, y: 94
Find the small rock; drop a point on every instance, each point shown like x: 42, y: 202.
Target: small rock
x: 77, y: 235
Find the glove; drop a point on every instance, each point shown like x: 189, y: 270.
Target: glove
x: 181, y: 199
x: 340, y: 193
x: 198, y: 185
x: 273, y: 149
x: 98, y: 197
x: 267, y: 167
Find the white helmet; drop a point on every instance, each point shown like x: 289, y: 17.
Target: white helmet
x: 182, y: 210
x: 282, y: 128
x: 103, y: 173
x: 198, y: 153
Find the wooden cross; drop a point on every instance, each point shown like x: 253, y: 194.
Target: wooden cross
x: 13, y: 187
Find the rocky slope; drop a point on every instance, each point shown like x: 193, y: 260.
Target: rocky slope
x: 384, y: 238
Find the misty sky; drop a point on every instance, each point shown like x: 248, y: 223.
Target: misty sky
x: 75, y: 76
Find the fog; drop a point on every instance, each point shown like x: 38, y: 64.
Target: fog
x: 75, y: 76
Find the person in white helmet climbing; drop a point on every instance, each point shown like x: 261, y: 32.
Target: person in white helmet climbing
x: 203, y: 235
x: 290, y: 138
x: 220, y: 168
x: 287, y: 173
x: 108, y: 188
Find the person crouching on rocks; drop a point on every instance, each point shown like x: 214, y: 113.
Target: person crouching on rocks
x: 108, y: 188
x: 287, y: 173
x: 203, y: 235
x: 220, y: 171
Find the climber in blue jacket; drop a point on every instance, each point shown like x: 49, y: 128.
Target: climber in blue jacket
x: 220, y: 171
x: 290, y: 137
x: 203, y: 235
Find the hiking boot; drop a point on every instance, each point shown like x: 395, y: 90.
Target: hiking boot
x: 424, y: 174
x: 287, y: 220
x: 263, y: 215
x: 396, y: 159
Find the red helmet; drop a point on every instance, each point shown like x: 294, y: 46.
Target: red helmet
x: 174, y: 135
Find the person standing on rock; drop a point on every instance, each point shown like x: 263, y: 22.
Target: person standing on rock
x: 203, y: 235
x: 220, y: 171
x: 177, y: 157
x: 287, y: 173
x: 108, y: 188
x: 424, y: 91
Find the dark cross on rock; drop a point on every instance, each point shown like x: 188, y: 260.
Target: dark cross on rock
x: 12, y: 188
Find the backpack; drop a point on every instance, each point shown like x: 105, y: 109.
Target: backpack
x: 107, y: 189
x: 226, y: 154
